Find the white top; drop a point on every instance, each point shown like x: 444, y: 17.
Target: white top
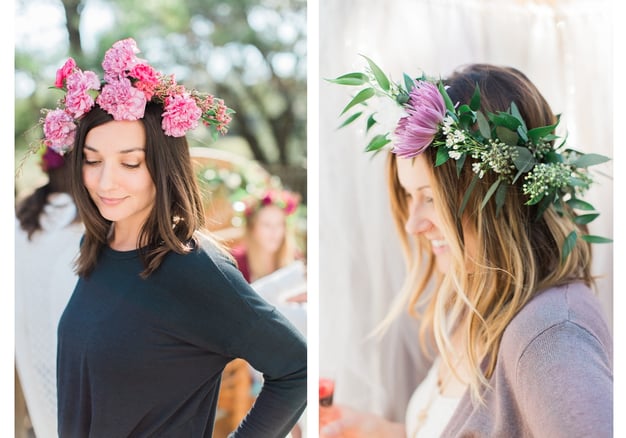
x: 428, y: 411
x: 44, y: 281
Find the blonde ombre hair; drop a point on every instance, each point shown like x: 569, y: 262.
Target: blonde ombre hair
x: 514, y: 256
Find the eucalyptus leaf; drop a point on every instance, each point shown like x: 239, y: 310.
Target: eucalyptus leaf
x: 408, y: 82
x: 523, y: 133
x: 371, y: 121
x: 489, y: 193
x: 468, y: 192
x: 544, y: 203
x: 500, y: 197
x: 595, y: 239
x: 381, y: 78
x: 459, y: 164
x: 483, y: 125
x: 350, y: 79
x: 506, y: 120
x: 351, y: 119
x: 524, y: 160
x: 377, y: 143
x: 584, y: 219
x: 568, y: 245
x: 360, y: 97
x: 536, y: 134
x: 475, y: 100
x: 579, y: 204
x: 553, y: 157
x: 590, y: 160
x: 464, y: 109
x: 442, y: 156
x: 507, y: 136
x: 515, y: 113
x: 578, y: 182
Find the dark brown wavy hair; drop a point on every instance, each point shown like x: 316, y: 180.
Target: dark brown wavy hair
x: 177, y: 212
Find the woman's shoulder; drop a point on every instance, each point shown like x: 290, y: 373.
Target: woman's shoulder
x: 571, y: 307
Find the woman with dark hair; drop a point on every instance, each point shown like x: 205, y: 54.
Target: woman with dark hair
x: 498, y: 264
x: 159, y: 308
x: 47, y: 233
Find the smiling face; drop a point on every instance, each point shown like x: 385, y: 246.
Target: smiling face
x: 415, y: 177
x: 116, y: 176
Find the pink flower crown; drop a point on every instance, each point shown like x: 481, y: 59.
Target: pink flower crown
x: 129, y: 84
x: 283, y: 199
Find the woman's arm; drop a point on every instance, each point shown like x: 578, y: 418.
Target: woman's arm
x: 273, y: 346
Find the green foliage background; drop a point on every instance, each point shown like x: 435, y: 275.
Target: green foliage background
x: 251, y: 53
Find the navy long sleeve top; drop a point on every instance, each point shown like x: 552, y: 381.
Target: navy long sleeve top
x: 143, y: 357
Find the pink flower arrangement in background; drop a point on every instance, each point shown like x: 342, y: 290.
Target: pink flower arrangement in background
x: 129, y: 84
x: 283, y: 199
x: 425, y: 111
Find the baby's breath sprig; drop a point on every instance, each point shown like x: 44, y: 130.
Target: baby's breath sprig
x: 500, y: 143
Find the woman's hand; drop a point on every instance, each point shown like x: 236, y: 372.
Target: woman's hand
x: 338, y: 421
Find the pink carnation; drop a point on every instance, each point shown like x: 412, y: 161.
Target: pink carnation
x: 426, y: 110
x: 64, y: 72
x: 122, y: 100
x: 120, y: 59
x: 60, y: 130
x: 181, y: 114
x: 78, y: 101
x: 147, y: 79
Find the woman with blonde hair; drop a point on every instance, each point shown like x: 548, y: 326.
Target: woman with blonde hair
x: 484, y: 198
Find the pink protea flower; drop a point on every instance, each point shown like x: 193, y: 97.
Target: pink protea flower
x: 78, y: 101
x: 64, y: 72
x: 147, y: 79
x: 60, y: 130
x: 181, y: 114
x: 426, y: 110
x: 120, y: 59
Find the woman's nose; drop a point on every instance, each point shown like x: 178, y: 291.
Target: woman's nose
x: 416, y: 222
x: 107, y: 177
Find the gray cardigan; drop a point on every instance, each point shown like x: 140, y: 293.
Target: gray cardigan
x: 554, y: 373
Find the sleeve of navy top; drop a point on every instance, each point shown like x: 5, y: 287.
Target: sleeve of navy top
x: 248, y: 327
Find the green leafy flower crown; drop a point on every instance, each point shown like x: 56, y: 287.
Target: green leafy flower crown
x: 496, y: 142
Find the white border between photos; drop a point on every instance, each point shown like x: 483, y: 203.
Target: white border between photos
x: 313, y: 79
x: 7, y: 236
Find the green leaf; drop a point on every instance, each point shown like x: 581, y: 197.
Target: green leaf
x: 500, y: 197
x: 590, y: 160
x: 524, y: 161
x: 464, y: 109
x: 360, y: 97
x: 578, y: 182
x: 506, y: 120
x: 371, y: 121
x: 553, y: 157
x: 568, y: 245
x: 446, y: 98
x: 468, y: 192
x: 350, y: 79
x: 536, y: 134
x: 408, y: 82
x: 475, y: 100
x: 489, y: 193
x: 377, y: 143
x: 515, y: 113
x: 442, y: 156
x: 350, y: 119
x: 507, y: 136
x: 381, y: 78
x: 584, y: 219
x: 483, y: 125
x: 579, y: 204
x: 595, y: 239
x: 544, y: 203
x: 459, y: 164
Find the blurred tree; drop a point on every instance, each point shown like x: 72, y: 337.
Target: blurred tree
x: 252, y: 53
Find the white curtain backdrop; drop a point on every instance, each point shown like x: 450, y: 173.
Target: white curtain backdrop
x: 564, y: 47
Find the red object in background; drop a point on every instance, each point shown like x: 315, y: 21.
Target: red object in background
x: 327, y: 388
